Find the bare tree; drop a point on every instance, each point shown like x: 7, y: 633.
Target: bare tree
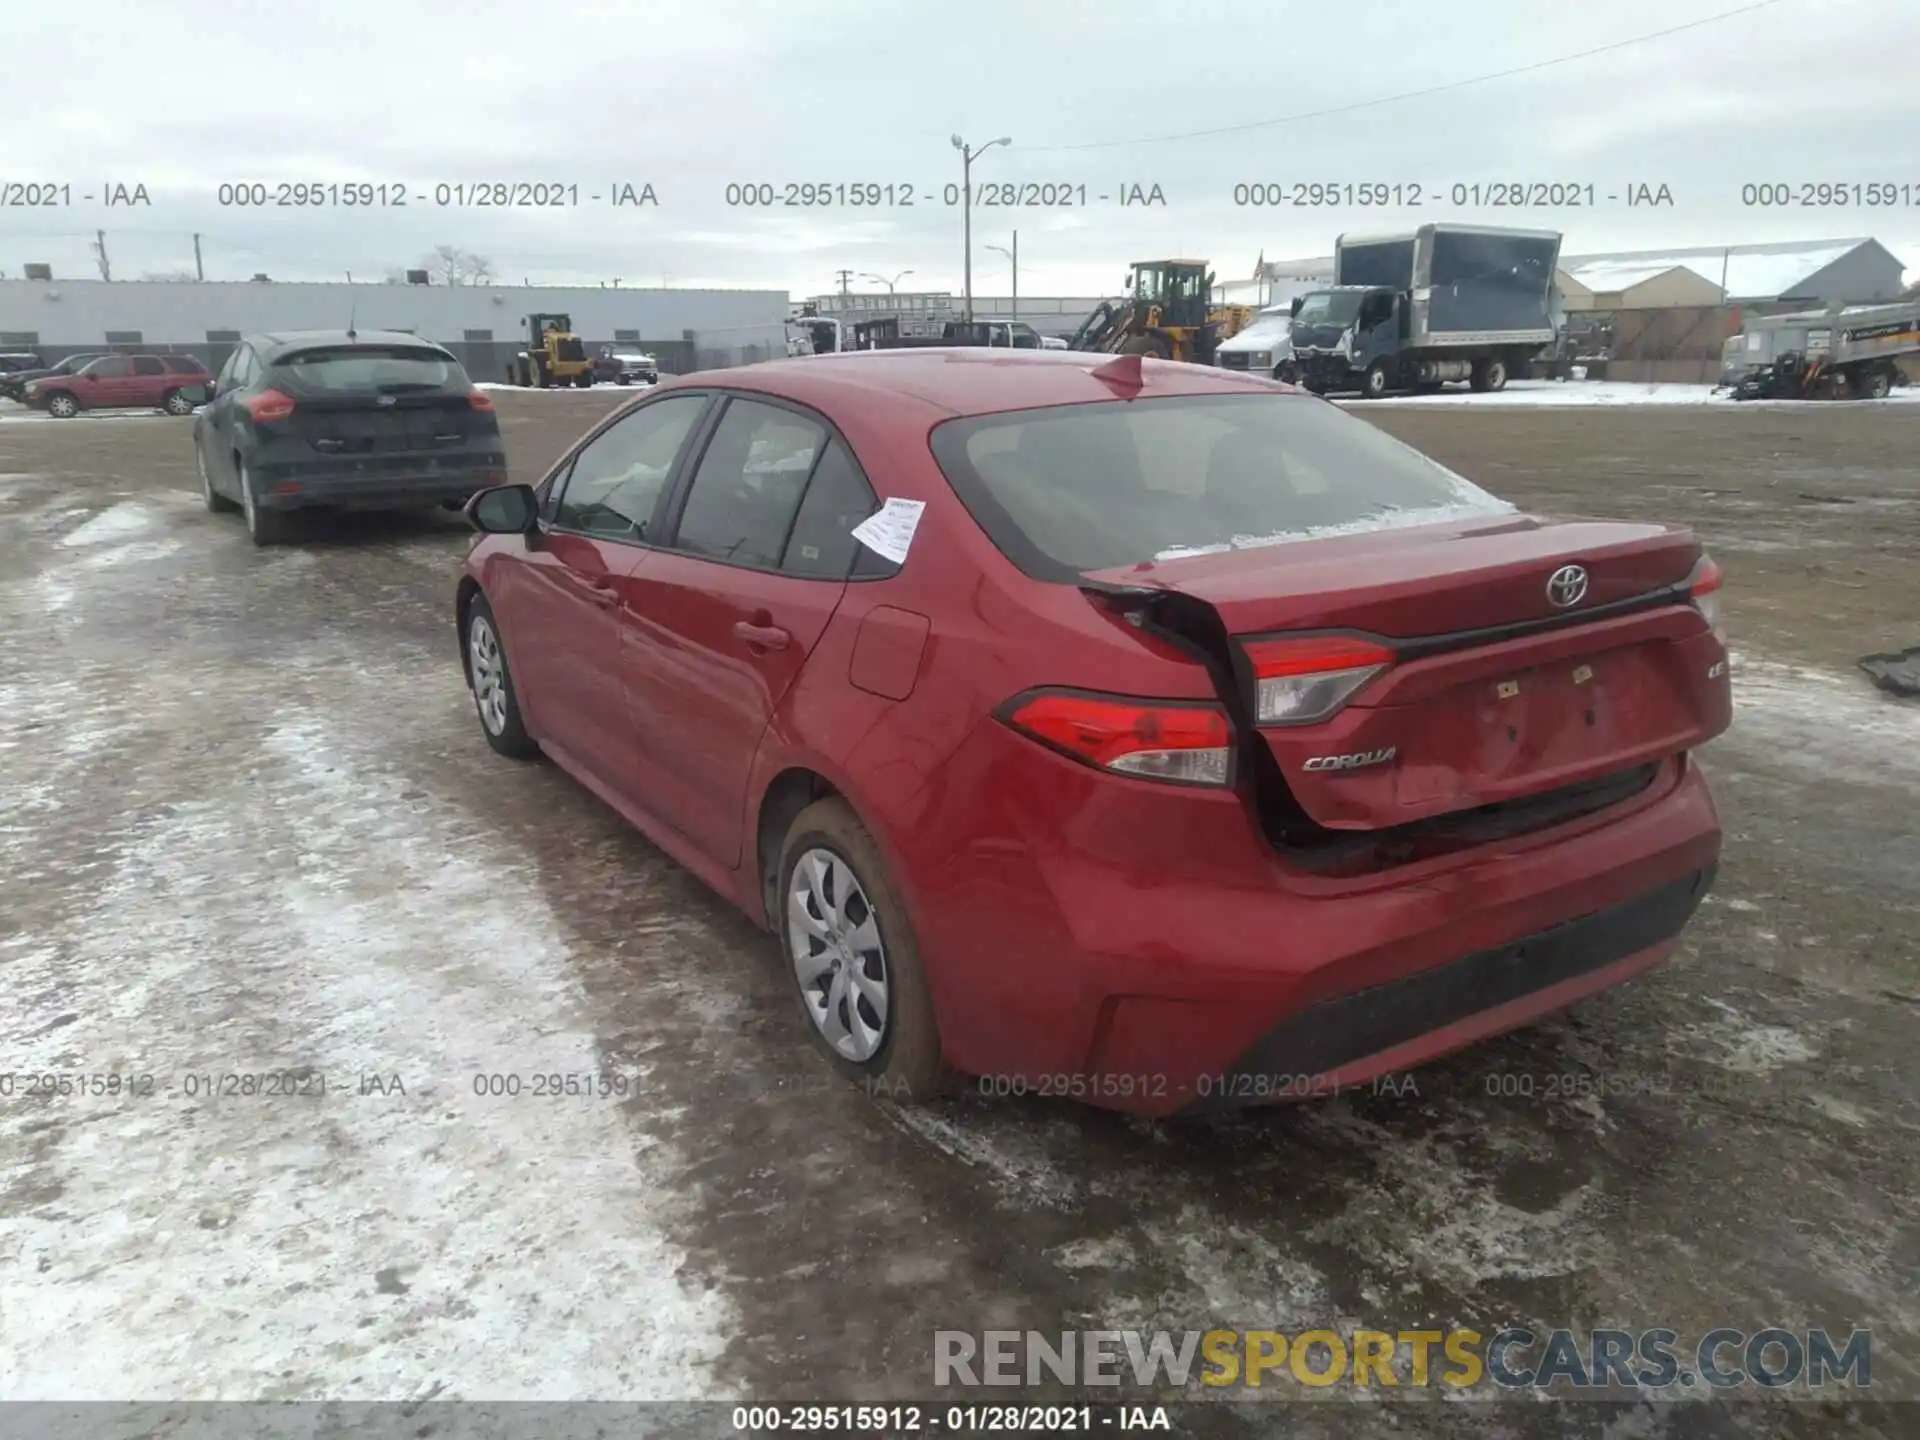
x: 453, y: 266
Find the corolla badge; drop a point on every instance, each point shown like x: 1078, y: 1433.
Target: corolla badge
x: 1567, y: 586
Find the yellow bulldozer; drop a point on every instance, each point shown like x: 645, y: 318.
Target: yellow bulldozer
x: 1167, y: 312
x: 554, y: 355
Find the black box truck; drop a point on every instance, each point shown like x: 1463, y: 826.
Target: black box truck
x: 1414, y: 310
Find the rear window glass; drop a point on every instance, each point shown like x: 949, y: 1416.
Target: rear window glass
x: 370, y: 368
x: 1075, y: 488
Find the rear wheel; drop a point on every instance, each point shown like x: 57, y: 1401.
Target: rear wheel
x: 1489, y: 375
x: 1876, y: 384
x: 852, y: 958
x: 216, y: 503
x: 177, y: 403
x: 584, y: 380
x: 265, y: 527
x: 494, y: 698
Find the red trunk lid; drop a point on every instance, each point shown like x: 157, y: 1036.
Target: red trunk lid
x: 1493, y: 691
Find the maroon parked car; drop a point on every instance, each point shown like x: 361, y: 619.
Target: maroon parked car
x: 173, y: 383
x: 1125, y: 731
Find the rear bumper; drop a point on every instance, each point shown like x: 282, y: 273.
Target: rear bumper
x: 1356, y: 1038
x: 374, y: 487
x: 1133, y: 946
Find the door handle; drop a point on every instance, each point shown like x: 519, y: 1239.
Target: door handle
x: 762, y: 637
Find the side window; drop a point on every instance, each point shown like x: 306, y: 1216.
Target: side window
x: 184, y: 365
x: 148, y: 365
x: 822, y: 546
x: 747, y: 489
x: 110, y: 367
x: 617, y: 479
x: 244, y: 368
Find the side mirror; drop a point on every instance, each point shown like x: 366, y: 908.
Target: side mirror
x: 503, y: 510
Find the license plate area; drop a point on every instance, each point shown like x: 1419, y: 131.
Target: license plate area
x: 1541, y: 722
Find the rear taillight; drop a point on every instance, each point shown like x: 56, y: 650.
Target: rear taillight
x: 268, y: 406
x: 479, y: 399
x: 1703, y: 591
x: 1301, y: 679
x: 1184, y: 742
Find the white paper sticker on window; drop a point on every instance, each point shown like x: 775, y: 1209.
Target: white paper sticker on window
x: 890, y: 531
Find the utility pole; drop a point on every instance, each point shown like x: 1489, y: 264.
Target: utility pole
x: 967, y: 157
x: 845, y: 276
x: 100, y: 254
x: 199, y: 270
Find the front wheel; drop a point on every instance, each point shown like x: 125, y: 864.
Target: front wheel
x: 494, y: 698
x: 1489, y: 375
x: 852, y: 957
x: 1876, y: 385
x: 62, y: 406
x: 1374, y: 384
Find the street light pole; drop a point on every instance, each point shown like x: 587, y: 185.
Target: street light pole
x: 1014, y: 256
x: 967, y: 157
x: 882, y: 280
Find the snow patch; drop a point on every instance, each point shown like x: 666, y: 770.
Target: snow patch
x: 1390, y: 519
x: 1834, y: 725
x: 360, y: 1245
x: 127, y: 518
x: 1578, y: 394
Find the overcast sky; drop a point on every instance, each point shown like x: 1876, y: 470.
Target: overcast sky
x: 692, y: 97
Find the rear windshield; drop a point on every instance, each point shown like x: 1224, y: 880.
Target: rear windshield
x: 1075, y: 488
x: 369, y: 368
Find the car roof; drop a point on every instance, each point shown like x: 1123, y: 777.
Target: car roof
x: 272, y: 345
x: 971, y: 380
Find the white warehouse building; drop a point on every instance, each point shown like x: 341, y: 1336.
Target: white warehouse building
x: 485, y: 325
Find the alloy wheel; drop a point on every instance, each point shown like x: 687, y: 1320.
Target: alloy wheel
x: 489, y: 672
x: 834, y: 945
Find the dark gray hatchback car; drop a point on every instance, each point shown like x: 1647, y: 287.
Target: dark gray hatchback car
x: 343, y: 420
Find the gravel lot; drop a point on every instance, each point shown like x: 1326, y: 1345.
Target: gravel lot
x: 248, y: 824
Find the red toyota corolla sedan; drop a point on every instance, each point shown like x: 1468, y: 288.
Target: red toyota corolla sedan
x: 1123, y: 730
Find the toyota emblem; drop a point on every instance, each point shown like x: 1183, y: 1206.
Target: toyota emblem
x: 1567, y: 586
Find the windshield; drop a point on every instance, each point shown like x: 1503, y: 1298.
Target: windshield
x: 348, y: 369
x: 1266, y: 327
x: 1075, y: 488
x: 1331, y: 307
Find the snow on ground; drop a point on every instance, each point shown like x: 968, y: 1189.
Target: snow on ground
x: 1557, y: 393
x: 293, y: 910
x: 1836, y: 724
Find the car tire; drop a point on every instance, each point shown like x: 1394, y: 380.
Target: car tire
x: 265, y: 527
x: 216, y: 503
x: 1374, y: 383
x: 1876, y: 385
x: 836, y: 914
x: 1489, y: 376
x: 495, y: 701
x: 62, y: 406
x: 177, y: 403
